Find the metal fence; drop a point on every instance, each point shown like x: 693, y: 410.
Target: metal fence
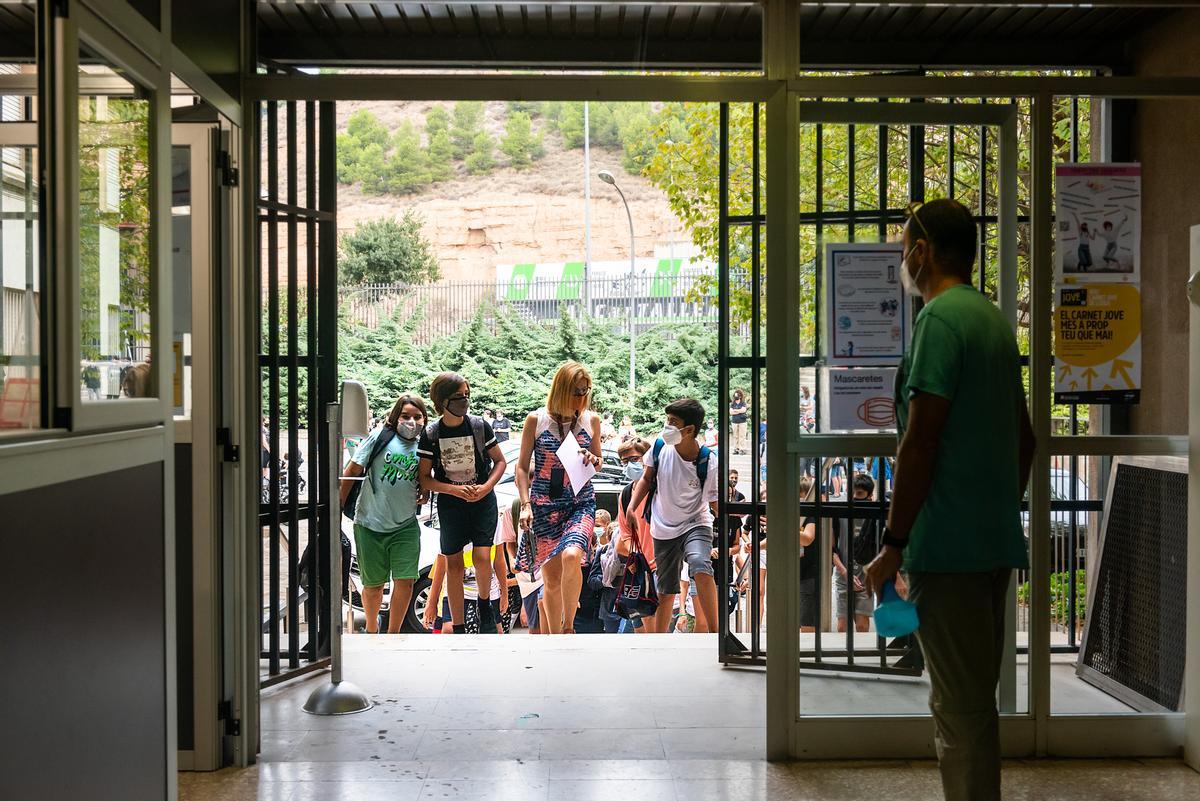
x: 442, y: 307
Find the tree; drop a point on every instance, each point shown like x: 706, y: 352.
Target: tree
x: 520, y: 143
x: 530, y: 107
x: 440, y: 157
x: 480, y: 160
x: 465, y: 127
x: 365, y: 128
x: 388, y: 251
x: 440, y: 148
x: 371, y: 169
x: 437, y: 120
x: 360, y: 147
x: 568, y: 336
x: 408, y: 166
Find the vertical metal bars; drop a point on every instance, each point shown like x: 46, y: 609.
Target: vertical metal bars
x: 723, y: 387
x: 298, y: 343
x: 293, y: 365
x: 273, y: 388
x: 732, y: 649
x: 755, y: 379
x: 315, y: 624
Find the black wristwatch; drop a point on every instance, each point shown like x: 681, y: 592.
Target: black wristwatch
x: 895, y: 542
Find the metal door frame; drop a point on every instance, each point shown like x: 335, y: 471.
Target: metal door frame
x: 206, y: 497
x: 824, y: 736
x: 315, y: 211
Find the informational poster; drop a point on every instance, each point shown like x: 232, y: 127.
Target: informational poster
x: 1099, y: 214
x: 868, y: 316
x: 1098, y: 344
x: 860, y: 399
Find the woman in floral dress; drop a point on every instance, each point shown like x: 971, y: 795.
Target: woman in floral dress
x: 562, y: 517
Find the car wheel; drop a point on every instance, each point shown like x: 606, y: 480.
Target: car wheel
x: 414, y: 622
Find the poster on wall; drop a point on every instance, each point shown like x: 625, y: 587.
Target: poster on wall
x: 860, y: 399
x: 1099, y: 215
x: 1098, y: 344
x: 868, y: 316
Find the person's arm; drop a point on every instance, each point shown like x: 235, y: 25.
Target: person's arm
x: 500, y: 571
x: 436, y: 577
x: 808, y: 534
x: 353, y: 469
x: 642, y: 488
x: 522, y: 476
x: 595, y: 576
x: 499, y: 463
x: 838, y: 564
x: 429, y: 483
x: 596, y: 448
x: 1026, y: 449
x: 916, y: 460
x: 625, y: 528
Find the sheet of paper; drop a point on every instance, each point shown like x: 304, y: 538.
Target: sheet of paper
x: 578, y: 471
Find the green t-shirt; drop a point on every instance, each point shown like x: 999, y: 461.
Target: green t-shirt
x: 964, y: 350
x: 388, y: 499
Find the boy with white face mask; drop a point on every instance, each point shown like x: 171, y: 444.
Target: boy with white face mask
x: 682, y: 475
x: 385, y: 517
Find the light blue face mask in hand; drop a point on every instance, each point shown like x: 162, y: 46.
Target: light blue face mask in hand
x: 895, y: 617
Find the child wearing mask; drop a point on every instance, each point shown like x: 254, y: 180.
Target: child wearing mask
x: 385, y: 517
x: 461, y: 461
x: 681, y: 479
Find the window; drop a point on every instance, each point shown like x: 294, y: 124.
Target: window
x: 114, y: 237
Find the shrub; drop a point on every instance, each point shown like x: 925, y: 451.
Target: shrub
x: 387, y: 251
x: 520, y: 143
x: 480, y: 160
x: 465, y: 127
x: 408, y: 167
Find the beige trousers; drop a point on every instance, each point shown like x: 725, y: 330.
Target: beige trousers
x: 962, y: 637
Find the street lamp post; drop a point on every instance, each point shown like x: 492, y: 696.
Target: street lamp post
x: 608, y: 178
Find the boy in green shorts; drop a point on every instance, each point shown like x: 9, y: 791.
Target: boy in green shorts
x: 385, y: 519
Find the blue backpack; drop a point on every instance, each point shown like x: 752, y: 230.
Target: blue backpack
x: 701, y: 472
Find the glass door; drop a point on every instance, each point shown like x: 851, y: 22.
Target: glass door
x: 860, y: 166
x: 194, y: 396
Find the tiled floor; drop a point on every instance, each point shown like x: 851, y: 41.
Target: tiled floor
x: 527, y: 719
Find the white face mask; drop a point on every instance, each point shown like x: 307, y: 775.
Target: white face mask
x: 671, y: 435
x: 408, y: 429
x: 907, y: 279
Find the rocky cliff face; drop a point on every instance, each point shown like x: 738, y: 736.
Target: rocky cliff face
x: 512, y: 217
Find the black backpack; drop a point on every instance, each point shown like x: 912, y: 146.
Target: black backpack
x: 701, y: 473
x: 433, y: 431
x: 381, y: 443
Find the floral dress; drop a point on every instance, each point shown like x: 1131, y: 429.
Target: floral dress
x: 569, y: 519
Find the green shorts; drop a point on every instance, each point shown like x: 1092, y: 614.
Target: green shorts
x: 391, y: 554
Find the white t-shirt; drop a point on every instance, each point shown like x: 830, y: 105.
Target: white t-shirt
x: 680, y: 503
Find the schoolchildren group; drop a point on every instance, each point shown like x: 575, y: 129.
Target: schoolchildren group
x: 549, y: 552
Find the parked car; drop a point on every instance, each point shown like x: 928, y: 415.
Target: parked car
x: 1060, y: 519
x: 608, y: 484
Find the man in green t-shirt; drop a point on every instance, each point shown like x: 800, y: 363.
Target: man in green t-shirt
x: 966, y: 446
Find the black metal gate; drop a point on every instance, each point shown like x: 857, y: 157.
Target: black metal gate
x: 296, y: 203
x: 872, y: 207
x: 741, y: 364
x: 882, y: 216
